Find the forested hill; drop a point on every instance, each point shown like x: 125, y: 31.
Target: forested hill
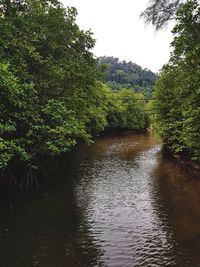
x: 120, y: 74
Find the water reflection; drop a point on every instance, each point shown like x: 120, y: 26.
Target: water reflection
x: 46, y: 229
x: 119, y: 206
x: 118, y: 202
x: 181, y: 200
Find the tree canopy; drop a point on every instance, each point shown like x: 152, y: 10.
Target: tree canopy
x: 51, y: 94
x: 177, y: 92
x: 47, y: 71
x: 122, y: 74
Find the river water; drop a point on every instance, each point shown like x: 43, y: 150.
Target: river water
x: 118, y: 202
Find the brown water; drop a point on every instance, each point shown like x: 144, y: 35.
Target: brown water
x: 118, y: 202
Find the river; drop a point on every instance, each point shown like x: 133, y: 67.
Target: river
x: 118, y: 202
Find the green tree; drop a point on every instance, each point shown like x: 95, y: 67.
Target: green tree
x: 51, y: 96
x: 29, y: 130
x: 48, y: 81
x: 122, y: 74
x: 177, y: 93
x: 126, y: 111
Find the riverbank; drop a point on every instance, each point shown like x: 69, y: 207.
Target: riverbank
x: 191, y: 166
x: 121, y: 132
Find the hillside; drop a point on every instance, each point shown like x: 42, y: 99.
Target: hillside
x: 122, y: 74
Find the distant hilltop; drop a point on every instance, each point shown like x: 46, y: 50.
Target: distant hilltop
x: 122, y: 74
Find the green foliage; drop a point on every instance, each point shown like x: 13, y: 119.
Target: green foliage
x: 47, y: 81
x: 97, y: 110
x: 177, y: 92
x: 126, y: 111
x: 28, y: 128
x: 122, y: 74
x: 18, y: 112
x: 50, y: 93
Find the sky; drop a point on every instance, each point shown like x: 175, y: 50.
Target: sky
x: 120, y: 32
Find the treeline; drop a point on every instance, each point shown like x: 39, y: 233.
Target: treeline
x: 51, y: 92
x: 122, y: 74
x: 177, y: 92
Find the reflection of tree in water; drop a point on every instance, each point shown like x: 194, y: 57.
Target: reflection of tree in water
x: 53, y: 228
x: 48, y: 229
x: 177, y: 196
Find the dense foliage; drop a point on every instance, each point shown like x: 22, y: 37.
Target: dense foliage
x: 177, y: 93
x: 122, y: 74
x: 126, y: 110
x: 50, y: 91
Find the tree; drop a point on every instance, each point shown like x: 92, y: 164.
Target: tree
x: 177, y: 92
x: 47, y: 79
x: 126, y: 111
x: 160, y: 12
x: 51, y: 96
x: 122, y: 74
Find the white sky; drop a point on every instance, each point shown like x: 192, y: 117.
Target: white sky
x: 119, y: 32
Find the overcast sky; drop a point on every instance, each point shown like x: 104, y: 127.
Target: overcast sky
x: 119, y: 31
